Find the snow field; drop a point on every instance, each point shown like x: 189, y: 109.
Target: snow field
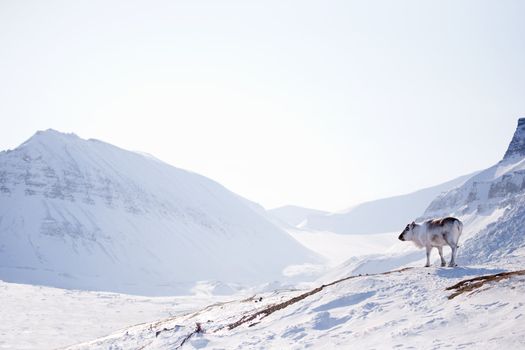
x: 401, y: 310
x: 34, y: 317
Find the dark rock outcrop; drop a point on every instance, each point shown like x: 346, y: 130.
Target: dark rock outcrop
x: 517, y: 145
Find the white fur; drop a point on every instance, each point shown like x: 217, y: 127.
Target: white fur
x: 430, y: 236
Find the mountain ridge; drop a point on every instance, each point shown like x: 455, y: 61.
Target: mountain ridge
x: 394, y: 212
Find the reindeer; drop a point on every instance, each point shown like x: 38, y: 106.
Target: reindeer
x: 435, y: 233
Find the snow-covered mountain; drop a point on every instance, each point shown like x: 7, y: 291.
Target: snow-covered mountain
x: 496, y: 187
x: 492, y: 204
x: 394, y: 212
x: 85, y: 214
x: 363, y: 303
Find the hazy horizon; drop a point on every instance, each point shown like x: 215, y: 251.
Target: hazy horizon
x: 309, y: 103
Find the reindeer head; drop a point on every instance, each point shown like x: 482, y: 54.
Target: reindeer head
x: 407, y: 233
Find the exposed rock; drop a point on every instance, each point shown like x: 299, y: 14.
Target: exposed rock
x: 517, y: 145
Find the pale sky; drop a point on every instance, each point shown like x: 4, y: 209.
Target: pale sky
x: 322, y: 104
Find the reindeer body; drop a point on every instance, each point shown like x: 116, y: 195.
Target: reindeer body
x: 435, y: 233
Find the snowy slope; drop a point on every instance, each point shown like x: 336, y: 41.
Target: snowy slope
x: 496, y: 187
x: 36, y: 317
x: 394, y: 212
x: 402, y: 310
x: 501, y: 241
x: 494, y: 197
x: 85, y: 214
x: 293, y: 215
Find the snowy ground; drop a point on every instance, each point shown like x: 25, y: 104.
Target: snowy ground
x: 33, y: 317
x: 401, y: 310
x: 408, y: 309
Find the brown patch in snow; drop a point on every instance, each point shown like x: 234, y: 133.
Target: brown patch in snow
x: 276, y: 307
x: 477, y: 282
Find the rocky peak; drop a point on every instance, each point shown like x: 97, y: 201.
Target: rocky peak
x: 517, y: 145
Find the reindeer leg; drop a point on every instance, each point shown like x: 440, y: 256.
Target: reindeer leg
x: 428, y: 256
x: 443, y: 262
x: 453, y: 258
